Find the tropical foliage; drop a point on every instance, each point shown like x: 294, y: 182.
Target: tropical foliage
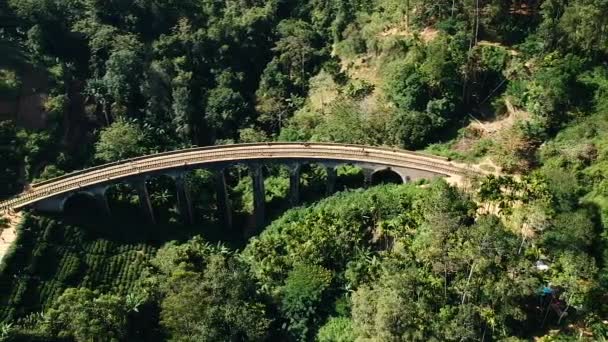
x: 515, y: 86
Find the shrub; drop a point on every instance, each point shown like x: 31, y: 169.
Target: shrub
x: 10, y: 83
x: 358, y: 89
x: 302, y: 294
x: 337, y: 329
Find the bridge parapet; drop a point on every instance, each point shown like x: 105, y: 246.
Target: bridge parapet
x: 51, y: 195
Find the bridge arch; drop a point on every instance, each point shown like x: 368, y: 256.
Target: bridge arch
x: 79, y: 204
x: 351, y: 176
x: 315, y: 180
x: 388, y: 176
x: 51, y: 194
x: 94, y: 197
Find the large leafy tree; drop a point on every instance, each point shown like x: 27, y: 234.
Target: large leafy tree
x: 286, y: 76
x: 86, y: 315
x: 122, y: 139
x: 585, y: 24
x: 11, y: 156
x: 206, y: 294
x: 226, y: 107
x: 396, y: 308
x: 303, y: 295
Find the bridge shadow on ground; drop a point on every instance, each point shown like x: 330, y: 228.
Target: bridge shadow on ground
x: 127, y: 224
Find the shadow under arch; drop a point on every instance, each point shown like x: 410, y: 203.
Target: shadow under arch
x: 386, y: 176
x: 122, y: 200
x: 313, y: 182
x: 82, y: 207
x: 348, y: 177
x: 163, y: 197
x: 241, y: 187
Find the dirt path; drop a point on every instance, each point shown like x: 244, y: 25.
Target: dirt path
x: 9, y: 234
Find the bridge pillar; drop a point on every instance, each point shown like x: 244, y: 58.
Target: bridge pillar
x: 99, y: 193
x: 223, y: 202
x: 139, y: 184
x: 184, y: 204
x: 411, y: 175
x: 259, y: 195
x: 331, y: 179
x: 367, y: 176
x: 294, y: 184
x: 404, y: 178
x: 400, y: 172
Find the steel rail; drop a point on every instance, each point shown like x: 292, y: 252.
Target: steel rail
x: 199, y: 157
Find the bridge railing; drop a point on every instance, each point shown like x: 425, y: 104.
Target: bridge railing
x: 205, y: 148
x: 436, y: 163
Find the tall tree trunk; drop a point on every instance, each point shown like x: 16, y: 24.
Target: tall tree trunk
x: 445, y: 281
x: 565, y: 312
x: 523, y: 240
x: 106, y: 111
x: 547, y: 312
x: 407, y: 15
x: 464, y: 292
x: 476, y: 21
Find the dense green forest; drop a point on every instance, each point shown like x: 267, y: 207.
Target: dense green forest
x: 516, y: 87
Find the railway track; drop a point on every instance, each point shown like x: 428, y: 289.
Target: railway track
x: 200, y: 157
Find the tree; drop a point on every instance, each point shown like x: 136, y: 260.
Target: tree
x: 406, y: 87
x: 10, y: 83
x: 123, y: 139
x: 487, y: 252
x: 206, y: 294
x: 302, y: 296
x: 123, y: 70
x: 183, y: 111
x: 552, y: 88
x: 86, y: 316
x: 551, y: 12
x: 516, y: 151
x: 585, y: 24
x: 345, y: 124
x: 574, y: 273
x: 285, y: 78
x: 412, y: 130
x: 11, y: 155
x: 330, y: 233
x: 570, y: 231
x: 296, y: 50
x: 225, y: 106
x: 252, y: 135
x: 398, y: 307
x: 337, y: 329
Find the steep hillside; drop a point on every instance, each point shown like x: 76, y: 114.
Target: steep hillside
x: 517, y: 87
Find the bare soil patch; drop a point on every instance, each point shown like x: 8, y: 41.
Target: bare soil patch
x: 8, y: 234
x: 502, y: 122
x: 427, y: 34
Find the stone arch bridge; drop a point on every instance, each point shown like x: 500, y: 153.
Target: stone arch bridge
x: 51, y: 195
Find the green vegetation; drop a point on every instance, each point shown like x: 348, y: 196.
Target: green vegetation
x: 11, y: 157
x: 51, y: 256
x: 9, y: 83
x: 393, y: 262
x: 515, y: 86
x: 119, y: 141
x: 222, y: 296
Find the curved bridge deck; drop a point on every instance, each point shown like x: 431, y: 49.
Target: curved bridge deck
x: 221, y: 156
